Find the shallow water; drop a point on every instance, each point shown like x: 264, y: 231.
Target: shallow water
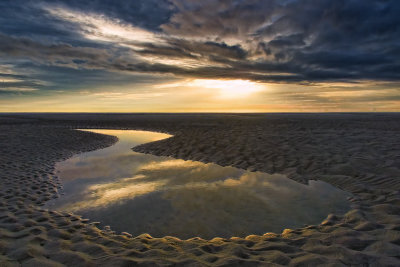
x: 141, y: 193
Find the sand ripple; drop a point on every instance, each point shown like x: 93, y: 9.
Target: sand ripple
x: 358, y: 153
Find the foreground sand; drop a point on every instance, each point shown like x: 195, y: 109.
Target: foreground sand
x: 359, y: 153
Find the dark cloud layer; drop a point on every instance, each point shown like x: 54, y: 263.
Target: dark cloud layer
x: 267, y: 40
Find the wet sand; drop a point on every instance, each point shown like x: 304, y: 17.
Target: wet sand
x: 359, y: 153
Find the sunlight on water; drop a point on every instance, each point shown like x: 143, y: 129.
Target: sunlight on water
x: 142, y: 193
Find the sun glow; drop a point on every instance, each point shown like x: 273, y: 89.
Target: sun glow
x: 230, y: 88
x: 220, y: 88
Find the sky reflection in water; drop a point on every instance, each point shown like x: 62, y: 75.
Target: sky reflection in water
x: 141, y: 193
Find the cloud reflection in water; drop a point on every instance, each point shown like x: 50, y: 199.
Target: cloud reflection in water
x: 140, y: 193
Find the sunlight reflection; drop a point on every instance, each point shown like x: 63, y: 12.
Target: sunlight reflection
x: 173, y: 163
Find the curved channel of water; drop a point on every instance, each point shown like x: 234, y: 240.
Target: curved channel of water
x: 141, y: 193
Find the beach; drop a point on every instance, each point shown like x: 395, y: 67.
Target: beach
x: 356, y: 152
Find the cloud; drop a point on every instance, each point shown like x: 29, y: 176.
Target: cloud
x: 101, y: 28
x: 314, y: 40
x: 149, y: 14
x: 57, y: 54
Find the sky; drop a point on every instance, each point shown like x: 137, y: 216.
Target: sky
x: 200, y: 56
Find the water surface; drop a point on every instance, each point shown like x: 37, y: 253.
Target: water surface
x: 141, y: 193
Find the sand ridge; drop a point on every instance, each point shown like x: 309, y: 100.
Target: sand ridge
x: 359, y: 153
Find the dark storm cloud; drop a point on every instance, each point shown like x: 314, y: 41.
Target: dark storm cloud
x: 148, y: 14
x: 301, y: 41
x: 12, y: 47
x: 179, y: 48
x: 321, y: 39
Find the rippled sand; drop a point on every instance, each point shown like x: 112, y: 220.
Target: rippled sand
x: 359, y: 153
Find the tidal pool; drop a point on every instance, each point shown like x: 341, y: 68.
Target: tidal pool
x: 141, y: 193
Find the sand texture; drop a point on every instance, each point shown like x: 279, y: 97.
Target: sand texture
x: 359, y: 153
